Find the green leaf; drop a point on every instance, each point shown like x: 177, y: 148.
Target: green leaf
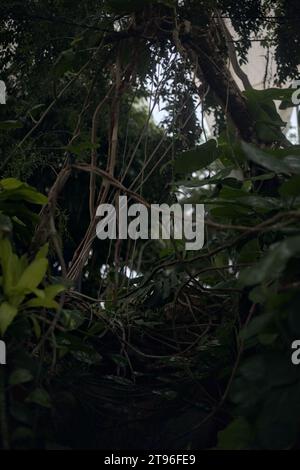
x: 10, y: 184
x: 78, y: 149
x: 246, y: 395
x: 40, y: 397
x: 7, y: 125
x: 54, y: 290
x: 120, y: 360
x: 293, y: 162
x: 267, y: 338
x: 285, y: 152
x: 198, y: 158
x: 278, y: 94
x: 237, y: 436
x: 278, y: 420
x: 197, y: 182
x: 265, y: 160
x: 30, y: 195
x: 260, y: 203
x: 249, y: 252
x: 20, y: 376
x: 47, y: 299
x: 11, y: 266
x: 71, y: 319
x: 64, y: 63
x: 32, y: 276
x: 38, y: 302
x: 290, y: 188
x: 13, y: 189
x: 36, y: 327
x: 40, y: 293
x: 7, y: 314
x: 256, y: 326
x: 273, y: 264
x: 87, y: 356
x: 43, y: 251
x: 268, y: 122
x: 253, y: 368
x: 266, y: 177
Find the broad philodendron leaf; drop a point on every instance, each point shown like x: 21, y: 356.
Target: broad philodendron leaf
x: 261, y: 203
x: 265, y: 160
x: 268, y: 123
x: 270, y: 94
x: 273, y: 264
x: 293, y: 162
x: 198, y: 158
x: 283, y: 152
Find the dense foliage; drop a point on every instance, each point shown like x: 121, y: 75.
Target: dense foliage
x: 143, y: 344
